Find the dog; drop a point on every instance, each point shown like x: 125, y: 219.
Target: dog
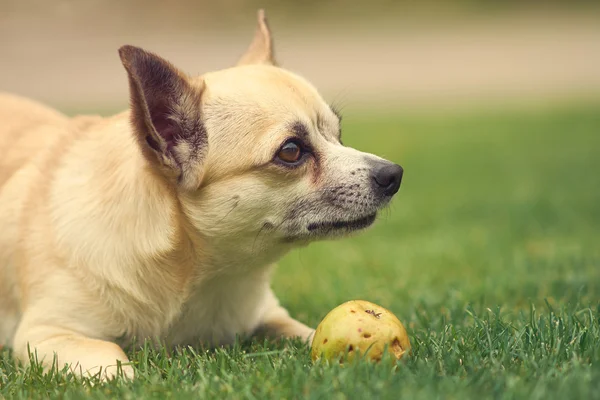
x: 164, y: 222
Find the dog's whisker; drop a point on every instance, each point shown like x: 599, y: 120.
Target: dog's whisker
x: 237, y: 201
x: 340, y: 99
x: 256, y: 237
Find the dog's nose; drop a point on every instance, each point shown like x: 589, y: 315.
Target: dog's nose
x: 387, y: 178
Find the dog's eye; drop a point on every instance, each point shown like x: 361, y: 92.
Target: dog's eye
x: 290, y: 152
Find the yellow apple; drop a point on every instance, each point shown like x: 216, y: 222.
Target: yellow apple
x: 359, y: 327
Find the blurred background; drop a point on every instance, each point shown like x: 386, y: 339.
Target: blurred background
x: 413, y: 54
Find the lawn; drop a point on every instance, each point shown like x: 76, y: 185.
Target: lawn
x: 490, y: 255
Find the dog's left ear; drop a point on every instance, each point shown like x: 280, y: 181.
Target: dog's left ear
x: 261, y: 49
x: 165, y: 114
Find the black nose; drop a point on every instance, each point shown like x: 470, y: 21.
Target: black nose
x: 387, y: 178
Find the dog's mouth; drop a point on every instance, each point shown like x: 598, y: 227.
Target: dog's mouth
x: 348, y: 225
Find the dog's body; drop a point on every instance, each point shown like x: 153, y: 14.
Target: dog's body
x: 164, y: 222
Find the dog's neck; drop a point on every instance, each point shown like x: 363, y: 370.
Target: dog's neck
x: 217, y: 257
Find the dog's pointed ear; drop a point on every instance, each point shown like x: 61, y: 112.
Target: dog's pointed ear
x: 261, y: 49
x: 165, y: 114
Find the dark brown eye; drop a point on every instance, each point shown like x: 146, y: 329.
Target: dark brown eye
x: 290, y: 153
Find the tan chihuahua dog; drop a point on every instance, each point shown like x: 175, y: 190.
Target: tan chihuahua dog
x: 164, y: 222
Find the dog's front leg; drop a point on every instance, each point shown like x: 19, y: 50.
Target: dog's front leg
x: 277, y: 323
x: 85, y: 356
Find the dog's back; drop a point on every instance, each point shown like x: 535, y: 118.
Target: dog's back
x: 27, y: 128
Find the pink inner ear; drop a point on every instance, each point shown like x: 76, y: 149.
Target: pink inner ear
x: 165, y: 127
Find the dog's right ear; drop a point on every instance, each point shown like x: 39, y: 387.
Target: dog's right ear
x: 165, y: 114
x: 261, y: 49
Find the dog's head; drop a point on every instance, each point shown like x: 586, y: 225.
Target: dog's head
x: 254, y: 152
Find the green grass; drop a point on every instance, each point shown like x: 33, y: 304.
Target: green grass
x: 490, y: 255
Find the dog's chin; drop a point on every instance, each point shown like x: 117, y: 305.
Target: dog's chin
x: 325, y: 227
x: 328, y: 229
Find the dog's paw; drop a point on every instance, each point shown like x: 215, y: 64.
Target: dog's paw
x: 105, y: 374
x: 310, y: 337
x: 307, y: 336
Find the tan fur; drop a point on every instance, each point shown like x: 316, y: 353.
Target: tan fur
x: 163, y: 222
